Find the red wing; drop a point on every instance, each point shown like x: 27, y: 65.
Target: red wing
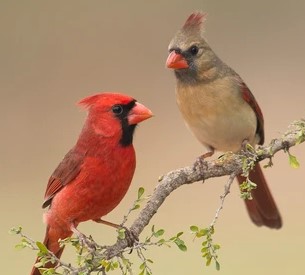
x: 249, y: 97
x: 65, y: 172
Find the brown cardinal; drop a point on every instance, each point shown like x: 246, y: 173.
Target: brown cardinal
x: 219, y: 108
x: 96, y: 173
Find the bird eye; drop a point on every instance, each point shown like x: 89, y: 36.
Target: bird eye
x: 194, y: 50
x: 117, y: 109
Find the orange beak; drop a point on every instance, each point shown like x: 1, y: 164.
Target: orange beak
x: 176, y: 61
x: 138, y: 113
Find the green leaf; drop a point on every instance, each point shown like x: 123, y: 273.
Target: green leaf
x: 179, y: 234
x: 121, y: 233
x: 293, y: 161
x: 19, y: 246
x: 217, y: 265
x: 209, y: 259
x: 42, y: 247
x: 136, y: 206
x: 243, y: 186
x: 252, y: 185
x: 161, y: 241
x: 202, y: 232
x: 246, y: 196
x: 115, y: 265
x: 216, y: 246
x: 125, y: 261
x: 108, y: 267
x: 181, y: 245
x: 205, y: 254
x: 250, y: 147
x: 211, y: 230
x: 204, y: 249
x: 300, y: 137
x: 24, y: 243
x: 178, y: 241
x: 15, y: 230
x: 140, y: 192
x: 159, y: 233
x: 194, y: 228
x: 49, y: 271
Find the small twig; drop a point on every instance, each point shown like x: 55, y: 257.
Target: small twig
x: 125, y: 218
x: 144, y: 260
x: 222, y: 197
x: 136, y: 205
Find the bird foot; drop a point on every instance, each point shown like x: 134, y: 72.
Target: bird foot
x: 124, y: 232
x: 128, y: 235
x: 199, y: 164
x: 89, y: 243
x: 84, y: 240
x: 200, y: 161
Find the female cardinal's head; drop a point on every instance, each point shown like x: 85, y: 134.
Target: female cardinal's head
x: 189, y: 53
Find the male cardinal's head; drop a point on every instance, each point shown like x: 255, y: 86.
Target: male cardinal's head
x: 189, y: 52
x: 114, y: 115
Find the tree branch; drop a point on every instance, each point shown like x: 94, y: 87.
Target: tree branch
x: 228, y: 164
x: 201, y: 170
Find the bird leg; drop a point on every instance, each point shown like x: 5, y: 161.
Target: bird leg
x: 130, y: 237
x: 83, y: 239
x: 200, y: 160
x: 208, y: 154
x: 116, y: 226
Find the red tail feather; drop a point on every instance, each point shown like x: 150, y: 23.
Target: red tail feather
x: 51, y: 242
x: 262, y: 208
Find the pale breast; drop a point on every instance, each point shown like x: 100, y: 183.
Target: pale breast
x: 217, y: 115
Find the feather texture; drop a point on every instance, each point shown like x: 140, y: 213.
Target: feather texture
x: 194, y: 21
x: 219, y: 108
x: 96, y: 173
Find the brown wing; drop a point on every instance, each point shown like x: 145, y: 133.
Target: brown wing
x: 249, y: 97
x: 65, y: 172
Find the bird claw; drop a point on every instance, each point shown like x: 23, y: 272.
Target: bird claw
x: 91, y: 245
x: 130, y: 237
x: 199, y: 163
x: 85, y: 241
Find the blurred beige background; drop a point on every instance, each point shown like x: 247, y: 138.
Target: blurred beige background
x: 53, y: 53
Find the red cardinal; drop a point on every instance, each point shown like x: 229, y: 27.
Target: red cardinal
x: 219, y: 108
x: 95, y: 174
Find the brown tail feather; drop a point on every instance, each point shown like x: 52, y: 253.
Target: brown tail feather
x: 262, y: 208
x: 52, y: 246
